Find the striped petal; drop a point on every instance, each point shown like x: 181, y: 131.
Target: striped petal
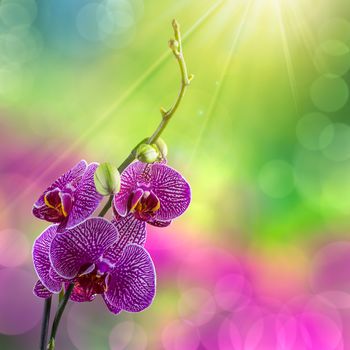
x: 132, y: 282
x: 81, y: 245
x: 158, y: 223
x: 41, y: 259
x: 41, y: 291
x: 130, y: 231
x: 72, y: 176
x: 173, y: 191
x: 112, y: 308
x: 86, y: 198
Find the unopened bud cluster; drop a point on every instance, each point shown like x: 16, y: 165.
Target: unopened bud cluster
x: 152, y: 153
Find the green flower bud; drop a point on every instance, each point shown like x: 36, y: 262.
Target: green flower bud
x: 173, y: 44
x: 162, y: 147
x: 147, y: 153
x: 107, y: 179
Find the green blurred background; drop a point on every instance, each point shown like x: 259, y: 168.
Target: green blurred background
x: 262, y: 135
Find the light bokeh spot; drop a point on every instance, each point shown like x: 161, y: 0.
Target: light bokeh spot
x: 335, y: 29
x: 232, y: 292
x: 14, y: 248
x: 311, y: 131
x: 20, y: 310
x: 87, y: 22
x: 330, y: 268
x: 110, y: 22
x: 90, y: 324
x: 319, y: 331
x: 196, y: 306
x: 333, y: 57
x: 128, y: 335
x: 329, y: 94
x: 17, y: 15
x: 179, y: 335
x: 339, y: 147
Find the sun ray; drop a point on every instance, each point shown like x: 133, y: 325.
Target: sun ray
x: 287, y: 54
x: 128, y: 92
x: 304, y: 32
x: 201, y: 19
x: 222, y: 79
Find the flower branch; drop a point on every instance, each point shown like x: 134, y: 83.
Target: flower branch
x: 45, y: 323
x: 176, y: 47
x: 57, y: 319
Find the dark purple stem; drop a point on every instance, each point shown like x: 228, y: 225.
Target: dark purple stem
x: 59, y: 312
x: 45, y: 323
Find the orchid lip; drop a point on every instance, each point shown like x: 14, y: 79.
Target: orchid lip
x: 88, y: 270
x: 91, y: 282
x: 60, y: 201
x: 144, y: 204
x: 93, y: 279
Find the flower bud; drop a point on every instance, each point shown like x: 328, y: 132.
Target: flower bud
x: 107, y: 179
x: 175, y: 24
x: 147, y: 153
x: 161, y: 147
x: 173, y: 44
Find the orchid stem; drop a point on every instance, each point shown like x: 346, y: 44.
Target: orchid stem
x: 176, y: 46
x: 106, y: 207
x: 59, y: 312
x: 45, y: 323
x: 61, y: 295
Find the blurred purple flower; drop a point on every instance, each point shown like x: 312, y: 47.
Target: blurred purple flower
x: 71, y: 198
x: 97, y: 260
x: 153, y: 193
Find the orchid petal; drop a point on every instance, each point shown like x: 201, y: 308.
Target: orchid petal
x: 46, y: 213
x: 130, y: 231
x: 83, y: 244
x: 41, y: 291
x: 71, y: 176
x: 55, y: 276
x: 86, y: 198
x: 173, y: 191
x: 132, y: 282
x: 41, y: 259
x: 112, y: 308
x: 158, y: 223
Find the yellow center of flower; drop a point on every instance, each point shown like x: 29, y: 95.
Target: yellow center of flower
x: 143, y: 205
x: 57, y: 206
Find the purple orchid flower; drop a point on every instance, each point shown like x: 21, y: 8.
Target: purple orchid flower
x: 71, y: 198
x: 153, y: 193
x: 97, y: 260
